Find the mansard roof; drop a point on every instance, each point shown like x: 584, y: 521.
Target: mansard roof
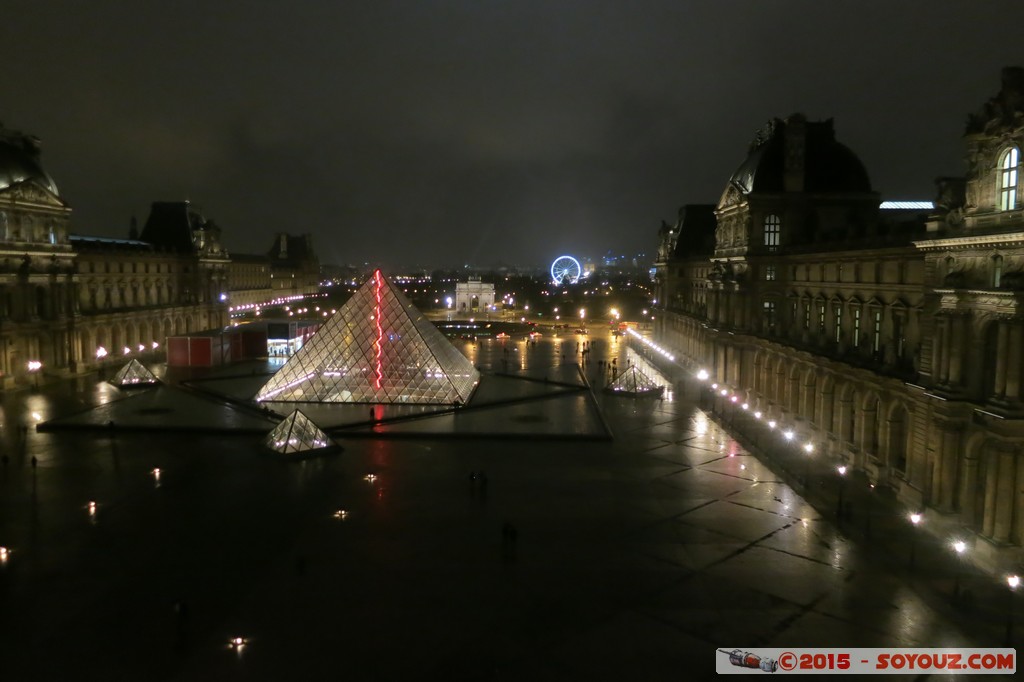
x: 171, y: 226
x: 806, y: 147
x: 1005, y: 111
x: 290, y: 250
x: 19, y: 161
x: 696, y: 231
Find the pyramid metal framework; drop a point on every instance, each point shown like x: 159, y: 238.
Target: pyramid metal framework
x: 633, y: 381
x: 378, y: 348
x: 296, y: 434
x: 133, y: 374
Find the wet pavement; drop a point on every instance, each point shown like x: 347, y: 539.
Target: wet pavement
x: 634, y: 558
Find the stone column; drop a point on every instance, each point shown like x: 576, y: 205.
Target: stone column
x: 947, y: 469
x: 956, y: 349
x: 968, y: 490
x: 1013, y: 362
x: 1017, y: 534
x: 941, y: 369
x: 1001, y: 356
x: 991, y: 478
x: 1004, y: 495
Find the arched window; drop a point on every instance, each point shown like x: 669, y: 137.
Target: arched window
x: 772, y: 231
x: 1009, y: 165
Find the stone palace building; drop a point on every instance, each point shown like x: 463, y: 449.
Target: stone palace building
x: 70, y: 302
x: 891, y: 333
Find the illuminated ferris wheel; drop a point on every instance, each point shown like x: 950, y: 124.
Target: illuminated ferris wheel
x: 565, y: 268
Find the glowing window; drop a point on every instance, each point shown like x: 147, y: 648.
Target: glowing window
x: 838, y: 322
x: 876, y: 335
x: 772, y: 231
x: 769, y: 273
x: 1009, y: 165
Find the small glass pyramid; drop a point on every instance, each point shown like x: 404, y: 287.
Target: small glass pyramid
x: 296, y: 434
x: 634, y: 382
x: 378, y: 348
x: 133, y: 374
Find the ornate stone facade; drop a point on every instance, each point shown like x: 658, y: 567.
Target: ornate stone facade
x: 895, y: 340
x: 69, y: 302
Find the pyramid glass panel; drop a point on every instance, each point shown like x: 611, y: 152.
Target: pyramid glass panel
x: 633, y: 381
x: 297, y: 434
x: 378, y: 348
x: 133, y: 374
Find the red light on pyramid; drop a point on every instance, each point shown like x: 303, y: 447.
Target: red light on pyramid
x: 380, y: 332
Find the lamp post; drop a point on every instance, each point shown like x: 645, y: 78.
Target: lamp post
x: 842, y: 486
x: 33, y: 367
x: 1012, y: 581
x: 915, y: 519
x: 809, y: 449
x: 959, y: 546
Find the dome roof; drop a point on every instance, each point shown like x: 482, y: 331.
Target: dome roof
x: 827, y: 165
x: 19, y: 161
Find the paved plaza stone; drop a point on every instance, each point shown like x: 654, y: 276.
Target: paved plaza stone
x: 630, y: 558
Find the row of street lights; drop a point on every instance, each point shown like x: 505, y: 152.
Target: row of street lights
x: 916, y: 518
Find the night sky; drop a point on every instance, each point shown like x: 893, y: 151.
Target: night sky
x: 481, y: 131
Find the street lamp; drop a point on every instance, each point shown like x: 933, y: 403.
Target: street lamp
x: 915, y: 519
x: 33, y: 367
x: 1012, y: 581
x: 959, y: 546
x: 842, y: 486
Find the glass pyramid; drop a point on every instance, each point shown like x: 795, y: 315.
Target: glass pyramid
x: 297, y: 434
x: 133, y: 374
x: 634, y: 382
x: 378, y: 348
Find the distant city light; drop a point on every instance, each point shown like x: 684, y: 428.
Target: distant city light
x: 907, y: 205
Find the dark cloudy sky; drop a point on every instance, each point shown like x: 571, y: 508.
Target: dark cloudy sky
x: 444, y: 132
